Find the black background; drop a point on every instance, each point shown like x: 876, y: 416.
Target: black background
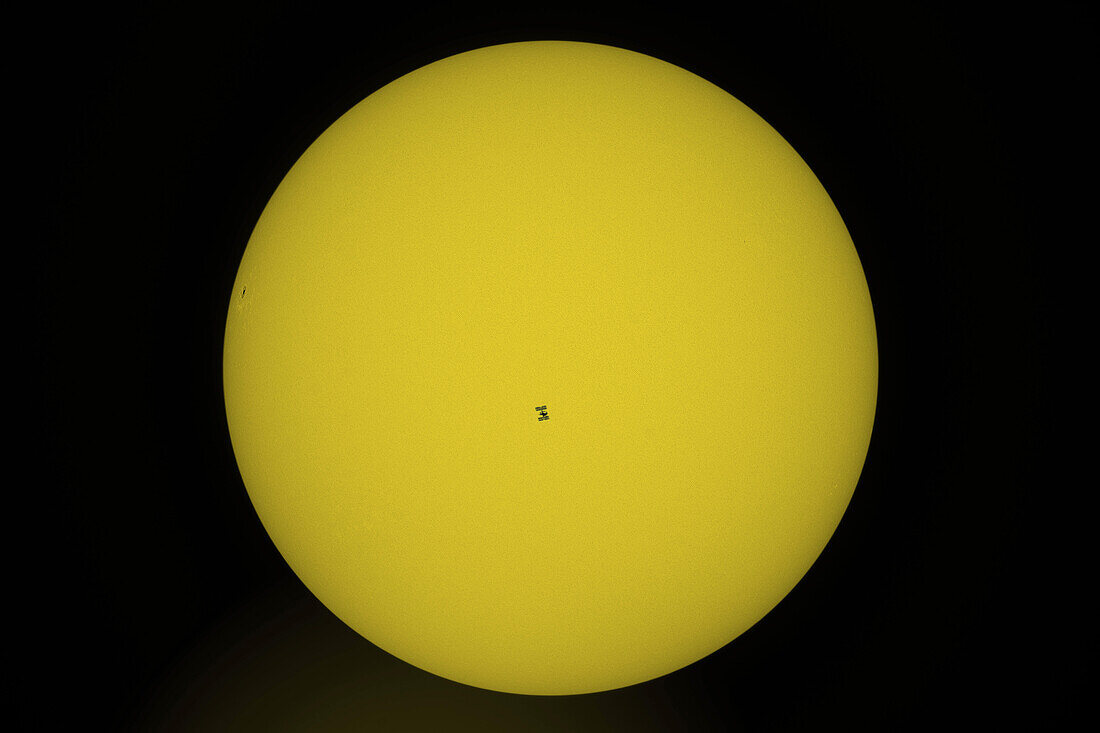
x: 953, y: 143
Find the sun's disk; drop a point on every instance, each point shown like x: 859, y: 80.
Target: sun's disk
x: 550, y: 368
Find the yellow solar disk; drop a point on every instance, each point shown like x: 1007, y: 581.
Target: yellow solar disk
x: 550, y: 368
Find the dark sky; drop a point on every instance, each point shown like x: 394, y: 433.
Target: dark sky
x: 957, y: 148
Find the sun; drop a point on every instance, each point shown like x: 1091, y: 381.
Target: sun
x: 550, y: 368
